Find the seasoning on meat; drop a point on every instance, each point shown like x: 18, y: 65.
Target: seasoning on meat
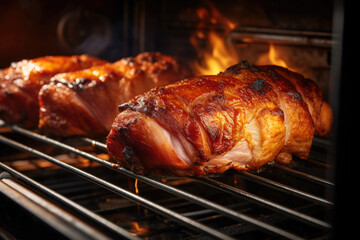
x: 240, y: 119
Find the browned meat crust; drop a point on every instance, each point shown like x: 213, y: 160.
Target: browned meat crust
x: 86, y: 102
x: 241, y: 119
x: 20, y: 84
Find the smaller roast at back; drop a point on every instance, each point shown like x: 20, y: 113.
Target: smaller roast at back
x: 21, y: 82
x: 86, y: 102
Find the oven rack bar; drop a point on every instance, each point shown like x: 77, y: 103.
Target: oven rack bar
x: 240, y: 193
x: 194, y: 225
x: 262, y: 180
x: 50, y: 213
x: 303, y: 175
x: 69, y: 203
x: 299, y: 174
x: 264, y: 202
x: 285, y: 188
x: 196, y: 199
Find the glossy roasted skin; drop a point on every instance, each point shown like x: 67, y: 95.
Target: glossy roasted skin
x: 86, y: 102
x: 240, y: 119
x: 298, y: 120
x: 20, y: 84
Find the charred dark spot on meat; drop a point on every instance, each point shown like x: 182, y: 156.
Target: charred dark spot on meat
x: 148, y: 58
x: 78, y: 85
x: 161, y: 90
x: 280, y: 113
x: 8, y: 93
x: 235, y: 69
x: 162, y: 110
x: 260, y: 86
x: 128, y: 154
x: 197, y: 163
x: 295, y: 95
x: 214, y: 133
x: 146, y: 108
x: 131, y: 159
x: 213, y: 104
x: 244, y: 64
x: 125, y: 106
x: 123, y: 131
x: 219, y: 99
x: 222, y: 85
x: 273, y: 73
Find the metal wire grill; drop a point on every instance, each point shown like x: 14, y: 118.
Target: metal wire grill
x: 278, y: 201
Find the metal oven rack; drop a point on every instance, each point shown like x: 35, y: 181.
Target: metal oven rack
x: 278, y: 201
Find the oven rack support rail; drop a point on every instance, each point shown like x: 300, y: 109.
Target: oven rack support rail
x: 167, y: 213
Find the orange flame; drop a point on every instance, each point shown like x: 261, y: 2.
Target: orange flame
x: 137, y: 229
x: 272, y: 57
x: 216, y: 54
x: 136, y: 186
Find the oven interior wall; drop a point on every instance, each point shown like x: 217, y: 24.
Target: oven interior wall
x: 299, y: 30
x: 32, y: 26
x: 174, y: 22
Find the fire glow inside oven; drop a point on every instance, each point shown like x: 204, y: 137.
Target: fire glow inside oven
x: 67, y: 188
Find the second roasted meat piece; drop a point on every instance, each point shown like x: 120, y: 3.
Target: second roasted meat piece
x: 86, y: 102
x: 240, y: 119
x: 21, y: 82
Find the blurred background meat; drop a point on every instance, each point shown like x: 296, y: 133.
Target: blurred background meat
x: 20, y: 84
x: 86, y: 102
